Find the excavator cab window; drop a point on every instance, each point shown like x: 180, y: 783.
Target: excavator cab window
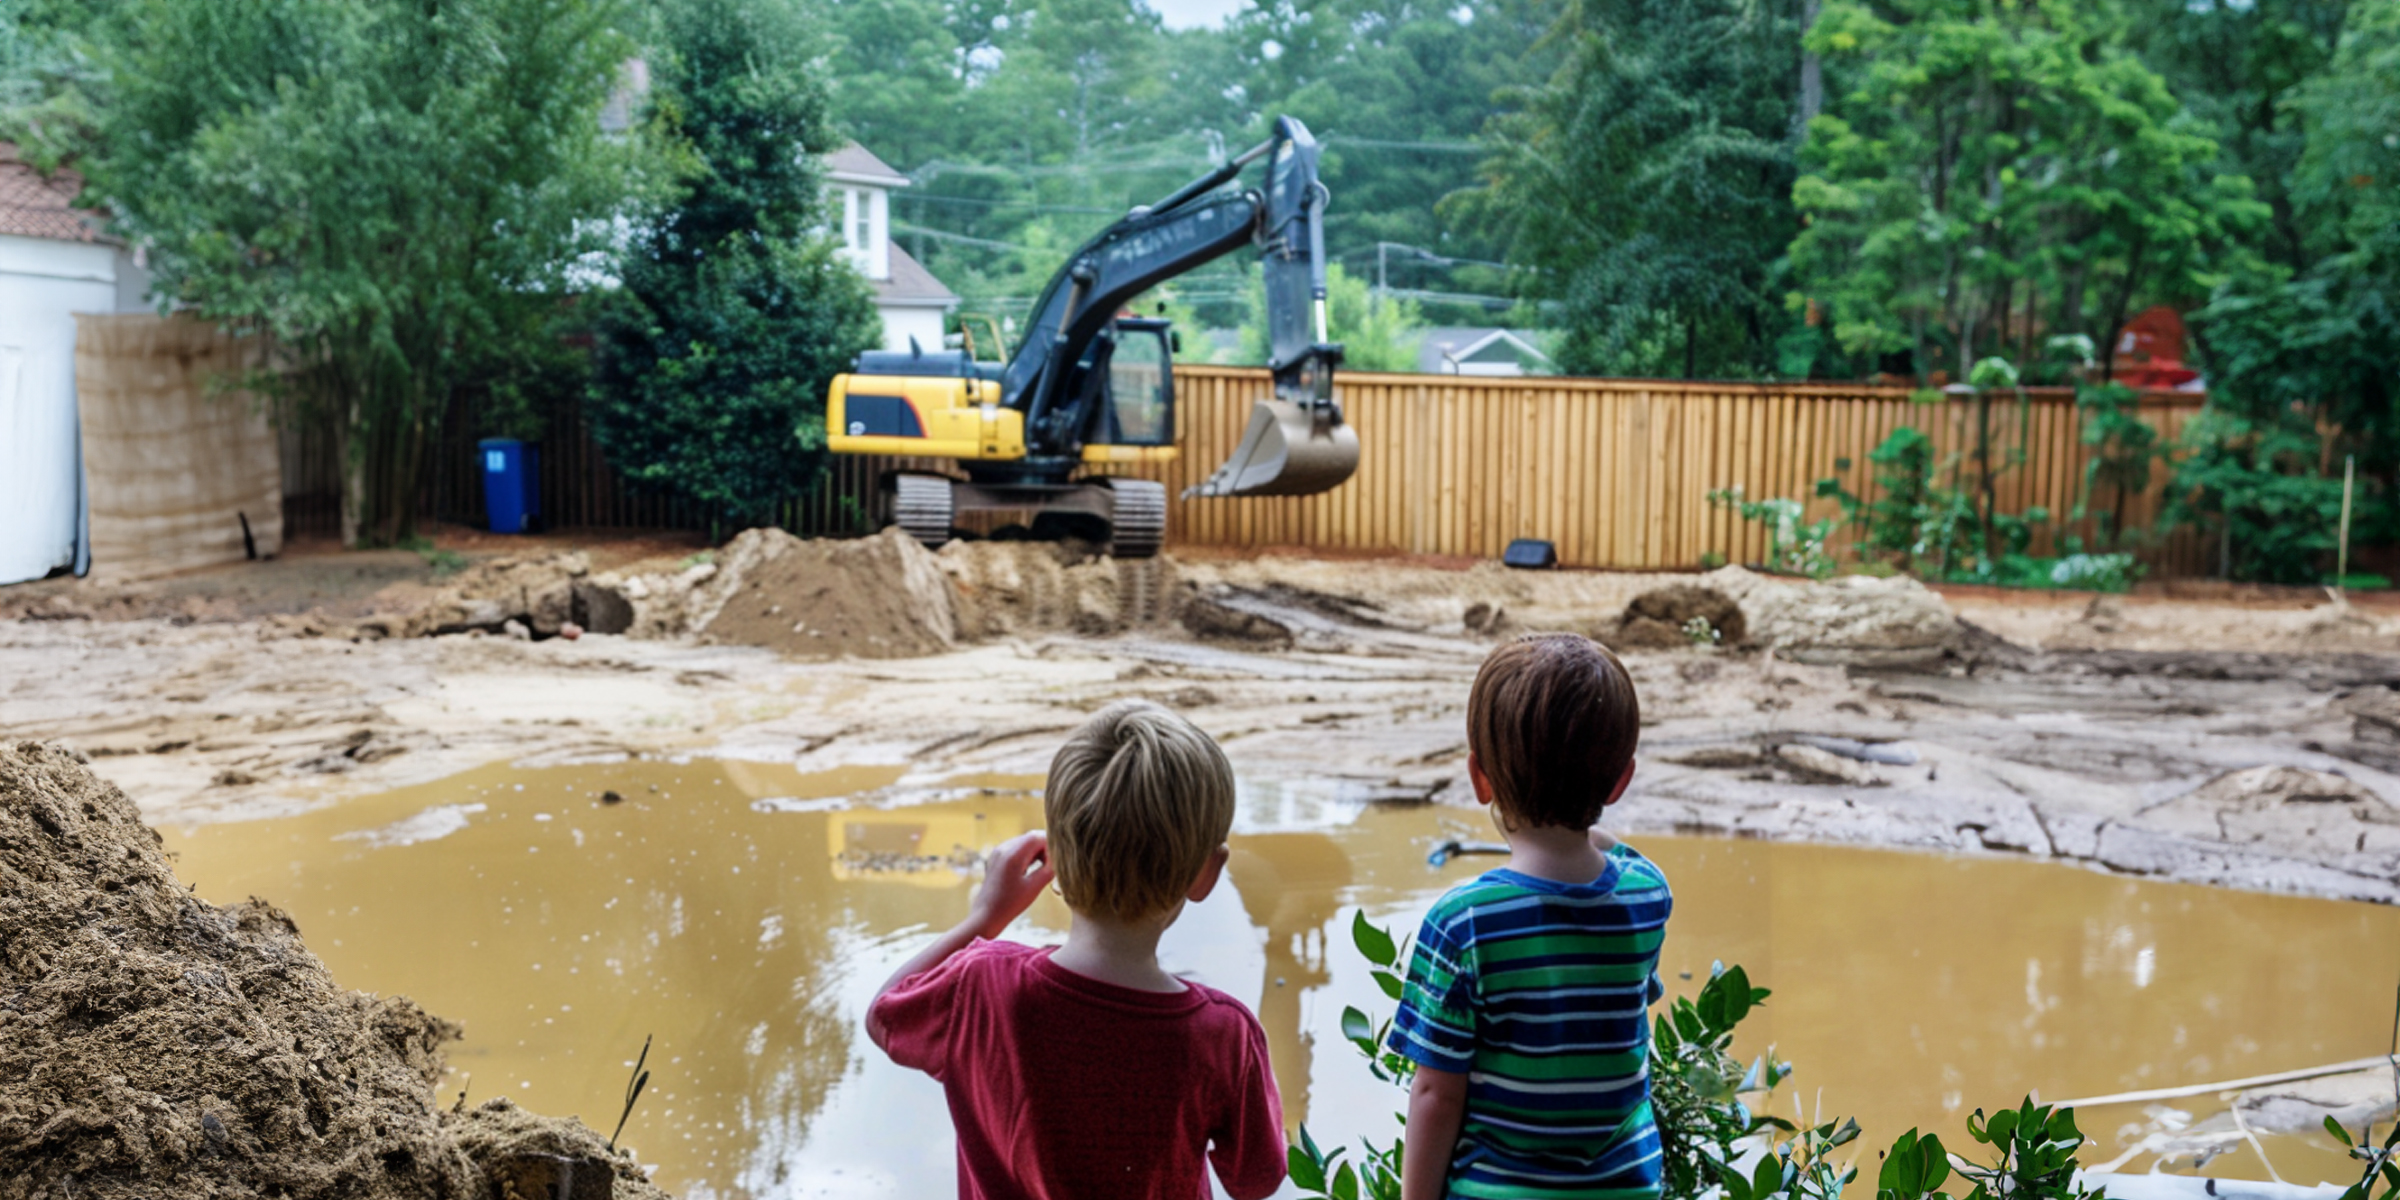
x: 1141, y: 386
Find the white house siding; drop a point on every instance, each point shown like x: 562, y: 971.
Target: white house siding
x: 900, y: 324
x: 43, y: 284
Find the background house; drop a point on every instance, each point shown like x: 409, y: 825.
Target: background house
x: 54, y: 263
x: 908, y: 297
x: 1457, y: 350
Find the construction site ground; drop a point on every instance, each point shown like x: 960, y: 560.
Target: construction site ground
x: 2240, y: 736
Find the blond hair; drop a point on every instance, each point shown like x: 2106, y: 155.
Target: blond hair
x: 1137, y: 801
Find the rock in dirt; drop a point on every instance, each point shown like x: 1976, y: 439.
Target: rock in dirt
x: 537, y: 591
x: 1813, y: 765
x: 1852, y: 619
x: 2317, y: 814
x: 1210, y: 620
x: 153, y: 1044
x: 1660, y: 618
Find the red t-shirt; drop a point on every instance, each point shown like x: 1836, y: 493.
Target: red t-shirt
x: 1062, y: 1086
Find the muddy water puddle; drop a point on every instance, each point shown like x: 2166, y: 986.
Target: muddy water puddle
x: 743, y: 914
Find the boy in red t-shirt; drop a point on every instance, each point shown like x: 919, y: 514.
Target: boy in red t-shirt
x: 1086, y: 1070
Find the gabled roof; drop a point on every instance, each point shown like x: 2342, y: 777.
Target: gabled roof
x: 1447, y: 344
x: 31, y: 206
x: 911, y: 285
x: 854, y: 163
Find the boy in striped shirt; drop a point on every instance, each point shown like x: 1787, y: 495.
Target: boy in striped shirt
x: 1526, y: 1008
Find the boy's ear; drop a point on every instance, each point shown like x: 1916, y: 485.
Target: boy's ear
x: 1623, y: 781
x: 1215, y: 870
x: 1483, y: 782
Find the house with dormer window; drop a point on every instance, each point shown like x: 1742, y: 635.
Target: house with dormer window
x: 911, y: 301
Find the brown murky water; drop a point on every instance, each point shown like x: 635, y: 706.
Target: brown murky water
x: 743, y: 914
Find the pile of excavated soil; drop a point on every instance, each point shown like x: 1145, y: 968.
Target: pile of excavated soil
x: 1661, y: 619
x: 878, y: 597
x: 153, y: 1044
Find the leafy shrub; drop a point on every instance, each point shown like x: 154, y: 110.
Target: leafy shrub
x: 1792, y: 548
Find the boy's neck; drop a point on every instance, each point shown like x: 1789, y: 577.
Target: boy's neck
x: 1558, y: 855
x: 1124, y: 953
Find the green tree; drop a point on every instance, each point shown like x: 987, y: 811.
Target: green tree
x: 377, y: 190
x: 1376, y: 335
x: 2299, y: 363
x: 2236, y: 65
x: 1987, y: 170
x: 1398, y: 90
x: 1647, y: 185
x: 734, y: 311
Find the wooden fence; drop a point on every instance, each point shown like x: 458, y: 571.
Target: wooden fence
x: 1616, y: 472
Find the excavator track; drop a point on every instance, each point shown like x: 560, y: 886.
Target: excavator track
x: 922, y: 507
x: 1140, y: 521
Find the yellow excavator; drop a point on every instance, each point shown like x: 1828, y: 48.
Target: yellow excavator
x: 1091, y: 387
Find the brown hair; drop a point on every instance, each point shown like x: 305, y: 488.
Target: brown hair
x: 1552, y: 721
x: 1138, y: 799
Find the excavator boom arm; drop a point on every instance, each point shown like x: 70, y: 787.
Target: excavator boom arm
x: 1194, y: 226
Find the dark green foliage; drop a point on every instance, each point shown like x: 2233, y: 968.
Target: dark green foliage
x: 386, y: 193
x: 2036, y: 1146
x: 2124, y: 449
x: 713, y: 357
x: 1696, y: 1085
x: 2260, y: 486
x: 2380, y: 1164
x: 1648, y: 184
x: 2300, y: 359
x: 1986, y: 173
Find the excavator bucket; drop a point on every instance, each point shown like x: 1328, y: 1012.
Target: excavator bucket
x: 1287, y: 451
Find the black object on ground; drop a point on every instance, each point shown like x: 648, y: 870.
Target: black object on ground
x: 1530, y: 554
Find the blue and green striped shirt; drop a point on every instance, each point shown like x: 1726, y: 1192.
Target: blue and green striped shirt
x: 1539, y: 992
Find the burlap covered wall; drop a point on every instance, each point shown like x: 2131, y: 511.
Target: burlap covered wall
x: 171, y: 466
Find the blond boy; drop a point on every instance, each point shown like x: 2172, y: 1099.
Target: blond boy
x: 1086, y: 1070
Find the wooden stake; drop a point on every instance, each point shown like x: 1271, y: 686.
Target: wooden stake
x: 2341, y: 568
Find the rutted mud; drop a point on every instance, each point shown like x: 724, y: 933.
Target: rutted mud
x: 1333, y: 677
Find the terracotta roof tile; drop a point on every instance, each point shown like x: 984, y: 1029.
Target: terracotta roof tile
x: 31, y: 206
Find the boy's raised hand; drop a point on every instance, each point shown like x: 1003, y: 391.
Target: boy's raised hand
x: 1013, y: 878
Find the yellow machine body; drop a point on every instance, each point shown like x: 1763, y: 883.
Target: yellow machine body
x: 943, y: 417
x: 931, y: 417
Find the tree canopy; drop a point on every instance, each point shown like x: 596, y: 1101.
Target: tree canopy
x: 380, y: 191
x: 734, y: 313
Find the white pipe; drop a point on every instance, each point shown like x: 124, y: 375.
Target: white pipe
x: 2231, y: 1085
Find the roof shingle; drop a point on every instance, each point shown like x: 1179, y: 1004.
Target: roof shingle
x: 31, y: 206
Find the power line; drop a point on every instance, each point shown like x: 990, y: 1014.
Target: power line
x: 1338, y: 139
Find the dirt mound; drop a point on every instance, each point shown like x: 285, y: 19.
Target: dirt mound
x: 1008, y: 589
x: 154, y: 1044
x: 1851, y: 619
x: 877, y: 597
x: 1659, y: 618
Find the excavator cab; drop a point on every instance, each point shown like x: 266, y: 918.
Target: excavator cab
x: 1140, y: 407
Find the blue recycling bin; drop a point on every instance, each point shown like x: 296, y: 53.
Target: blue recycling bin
x: 512, y: 497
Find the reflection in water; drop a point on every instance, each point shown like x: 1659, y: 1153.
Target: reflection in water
x: 745, y: 914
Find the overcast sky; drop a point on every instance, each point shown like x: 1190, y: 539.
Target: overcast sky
x: 1193, y: 14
